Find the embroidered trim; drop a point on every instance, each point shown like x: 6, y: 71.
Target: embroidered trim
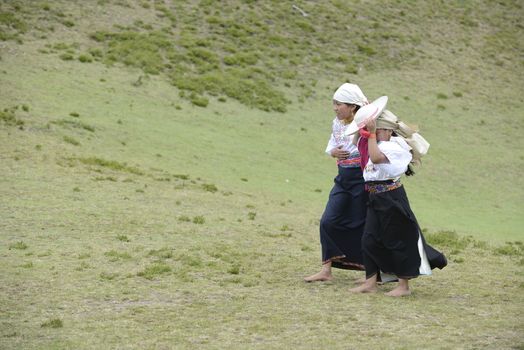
x: 339, y: 259
x: 352, y: 162
x: 382, y: 187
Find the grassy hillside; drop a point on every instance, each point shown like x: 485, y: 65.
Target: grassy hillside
x: 163, y: 171
x: 455, y: 74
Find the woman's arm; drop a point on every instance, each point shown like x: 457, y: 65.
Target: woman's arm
x: 336, y: 151
x: 332, y: 144
x: 376, y: 156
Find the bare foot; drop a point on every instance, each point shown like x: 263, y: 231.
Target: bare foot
x: 319, y: 277
x: 398, y: 292
x: 364, y: 288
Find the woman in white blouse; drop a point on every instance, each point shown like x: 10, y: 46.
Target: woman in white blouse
x: 392, y: 242
x: 343, y: 220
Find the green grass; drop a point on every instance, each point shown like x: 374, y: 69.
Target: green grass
x: 154, y: 270
x: 73, y: 124
x: 54, y: 323
x: 164, y: 175
x: 8, y: 117
x: 18, y: 245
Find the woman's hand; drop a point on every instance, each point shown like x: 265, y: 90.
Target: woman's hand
x: 339, y: 153
x: 371, y: 126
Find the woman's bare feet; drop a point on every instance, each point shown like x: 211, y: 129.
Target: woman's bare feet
x: 401, y: 290
x: 321, y: 276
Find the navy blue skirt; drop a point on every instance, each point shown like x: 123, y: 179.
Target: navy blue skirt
x: 342, y: 223
x: 391, y: 235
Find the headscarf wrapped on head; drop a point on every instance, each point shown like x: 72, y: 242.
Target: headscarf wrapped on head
x: 417, y: 144
x: 388, y: 120
x: 350, y: 93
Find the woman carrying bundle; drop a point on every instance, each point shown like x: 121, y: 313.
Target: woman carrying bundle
x: 392, y: 242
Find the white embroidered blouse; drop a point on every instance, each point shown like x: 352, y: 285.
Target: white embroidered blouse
x: 338, y: 138
x: 398, y: 153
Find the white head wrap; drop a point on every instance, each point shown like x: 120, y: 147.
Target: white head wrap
x: 408, y: 138
x: 387, y: 120
x: 350, y: 93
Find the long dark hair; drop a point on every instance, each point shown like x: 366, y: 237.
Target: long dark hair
x: 357, y: 107
x: 410, y: 171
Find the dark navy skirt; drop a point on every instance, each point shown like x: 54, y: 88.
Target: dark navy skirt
x: 390, y: 237
x: 342, y: 223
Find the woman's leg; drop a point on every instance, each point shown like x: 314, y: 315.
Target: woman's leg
x: 332, y: 213
x: 323, y: 275
x: 401, y: 290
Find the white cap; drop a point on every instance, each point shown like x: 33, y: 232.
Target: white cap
x: 350, y: 93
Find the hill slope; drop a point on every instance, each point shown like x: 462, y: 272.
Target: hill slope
x: 163, y: 171
x: 442, y: 72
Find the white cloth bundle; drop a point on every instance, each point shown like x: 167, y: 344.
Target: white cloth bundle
x: 419, y: 146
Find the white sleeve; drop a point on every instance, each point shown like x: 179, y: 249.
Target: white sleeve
x: 331, y: 145
x: 399, y: 158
